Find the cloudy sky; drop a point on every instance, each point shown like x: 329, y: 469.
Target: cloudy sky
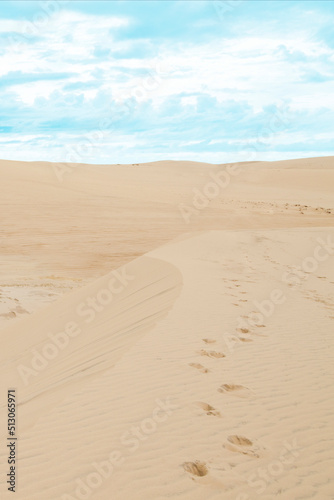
x: 132, y: 81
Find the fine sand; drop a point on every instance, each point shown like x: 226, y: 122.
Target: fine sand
x: 163, y: 345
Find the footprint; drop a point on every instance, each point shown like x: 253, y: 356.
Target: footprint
x: 209, y: 341
x: 243, y: 330
x: 243, y: 445
x: 199, y: 367
x: 211, y: 354
x: 211, y: 476
x: 239, y: 440
x: 210, y: 410
x: 196, y: 468
x: 245, y: 339
x: 252, y: 323
x: 9, y: 315
x: 235, y: 389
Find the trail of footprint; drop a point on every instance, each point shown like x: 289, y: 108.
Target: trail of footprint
x: 210, y: 410
x: 211, y: 354
x: 242, y: 445
x: 247, y: 331
x: 199, y: 367
x: 235, y: 389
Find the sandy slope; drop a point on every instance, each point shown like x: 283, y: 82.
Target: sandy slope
x: 266, y: 405
x: 201, y: 370
x: 62, y: 226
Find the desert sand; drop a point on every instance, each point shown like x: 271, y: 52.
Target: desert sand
x: 168, y: 328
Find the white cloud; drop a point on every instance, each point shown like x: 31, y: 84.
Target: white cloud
x: 253, y: 72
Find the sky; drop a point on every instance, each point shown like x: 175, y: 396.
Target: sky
x: 137, y: 81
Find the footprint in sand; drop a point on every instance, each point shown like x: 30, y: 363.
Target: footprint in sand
x: 218, y: 477
x: 196, y: 468
x: 243, y: 445
x: 209, y: 341
x: 199, y: 367
x: 246, y: 330
x: 239, y: 440
x: 209, y: 410
x: 9, y: 315
x: 235, y: 390
x: 243, y: 330
x: 211, y: 354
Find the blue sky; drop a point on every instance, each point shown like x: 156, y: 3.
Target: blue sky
x: 132, y: 81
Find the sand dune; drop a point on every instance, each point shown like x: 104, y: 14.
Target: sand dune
x: 63, y: 226
x: 200, y: 370
x: 264, y: 405
x: 103, y: 319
